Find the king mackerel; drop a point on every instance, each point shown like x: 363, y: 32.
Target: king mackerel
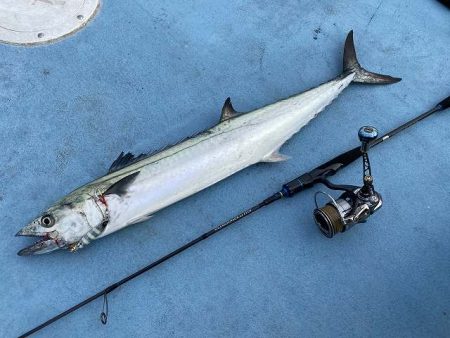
x: 137, y: 187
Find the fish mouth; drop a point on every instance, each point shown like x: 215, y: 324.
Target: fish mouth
x: 48, y: 242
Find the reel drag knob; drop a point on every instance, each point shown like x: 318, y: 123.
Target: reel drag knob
x: 366, y: 135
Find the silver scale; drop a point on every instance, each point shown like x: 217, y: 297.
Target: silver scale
x: 31, y: 22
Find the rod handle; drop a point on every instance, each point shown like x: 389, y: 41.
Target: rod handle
x: 316, y: 175
x: 297, y: 184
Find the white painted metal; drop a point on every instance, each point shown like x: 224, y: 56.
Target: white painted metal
x: 29, y: 22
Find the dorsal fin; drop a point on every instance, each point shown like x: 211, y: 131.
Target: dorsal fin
x: 123, y: 160
x: 228, y: 111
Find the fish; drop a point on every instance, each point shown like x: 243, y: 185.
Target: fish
x: 136, y: 187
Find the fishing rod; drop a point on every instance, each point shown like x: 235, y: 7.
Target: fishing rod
x: 354, y: 206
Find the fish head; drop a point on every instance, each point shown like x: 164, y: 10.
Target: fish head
x: 62, y: 226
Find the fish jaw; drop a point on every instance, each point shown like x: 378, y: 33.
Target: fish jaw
x: 68, y: 224
x: 32, y: 230
x: 49, y: 241
x: 40, y: 247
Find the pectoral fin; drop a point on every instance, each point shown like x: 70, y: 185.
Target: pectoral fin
x: 120, y: 187
x: 275, y: 157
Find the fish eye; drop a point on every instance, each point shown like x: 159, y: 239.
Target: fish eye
x: 47, y: 221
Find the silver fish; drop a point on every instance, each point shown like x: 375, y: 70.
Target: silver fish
x: 137, y: 187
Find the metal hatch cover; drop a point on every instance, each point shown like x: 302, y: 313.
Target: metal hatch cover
x: 30, y: 22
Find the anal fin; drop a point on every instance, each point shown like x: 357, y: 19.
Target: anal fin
x: 276, y: 156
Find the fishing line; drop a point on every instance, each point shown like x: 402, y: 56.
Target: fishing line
x: 334, y: 217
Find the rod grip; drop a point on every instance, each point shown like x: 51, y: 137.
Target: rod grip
x: 298, y: 184
x: 316, y: 175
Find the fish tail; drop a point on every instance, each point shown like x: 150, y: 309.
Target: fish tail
x: 351, y: 65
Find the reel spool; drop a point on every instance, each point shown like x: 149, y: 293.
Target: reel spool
x: 356, y: 204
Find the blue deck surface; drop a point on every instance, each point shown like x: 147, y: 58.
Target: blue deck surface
x: 146, y: 74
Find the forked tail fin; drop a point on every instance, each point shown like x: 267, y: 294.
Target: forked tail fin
x: 351, y: 65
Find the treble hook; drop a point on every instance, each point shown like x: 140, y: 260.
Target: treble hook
x: 104, y: 314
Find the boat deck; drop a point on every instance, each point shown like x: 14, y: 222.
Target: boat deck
x: 145, y: 74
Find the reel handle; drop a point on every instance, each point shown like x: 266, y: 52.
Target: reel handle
x: 366, y: 135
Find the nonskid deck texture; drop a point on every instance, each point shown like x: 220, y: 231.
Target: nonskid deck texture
x: 139, y: 78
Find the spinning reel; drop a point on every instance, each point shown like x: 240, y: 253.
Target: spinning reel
x: 356, y: 204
